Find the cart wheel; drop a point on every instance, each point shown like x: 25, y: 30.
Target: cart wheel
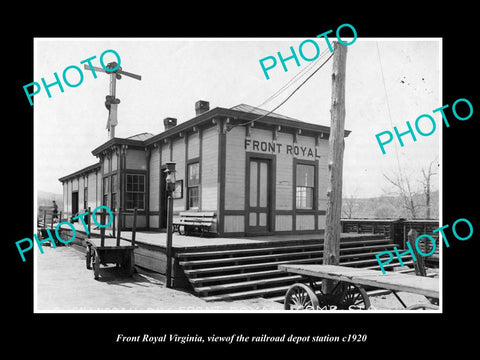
x: 96, y: 265
x: 353, y: 298
x: 300, y: 297
x: 423, y: 307
x: 88, y: 257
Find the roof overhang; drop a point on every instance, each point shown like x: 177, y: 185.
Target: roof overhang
x: 241, y: 117
x: 84, y: 171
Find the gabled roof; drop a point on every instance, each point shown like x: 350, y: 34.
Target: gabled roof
x: 142, y: 137
x: 238, y: 114
x: 255, y: 110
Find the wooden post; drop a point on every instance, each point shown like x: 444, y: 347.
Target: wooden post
x: 118, y: 226
x: 113, y: 223
x: 420, y: 263
x: 331, y: 250
x: 102, y: 229
x: 89, y: 221
x: 134, y: 227
x: 169, y: 240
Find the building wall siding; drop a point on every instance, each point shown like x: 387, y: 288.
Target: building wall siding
x: 92, y: 190
x: 165, y: 152
x: 154, y: 221
x: 136, y: 160
x: 323, y: 176
x: 81, y: 185
x: 65, y: 197
x: 305, y: 222
x: 234, y: 223
x: 154, y: 184
x: 178, y: 157
x: 209, y: 172
x: 284, y: 193
x: 193, y: 145
x: 283, y: 223
x: 114, y: 161
x: 99, y: 189
x: 235, y: 170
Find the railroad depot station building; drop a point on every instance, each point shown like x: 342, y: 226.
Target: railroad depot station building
x: 268, y: 176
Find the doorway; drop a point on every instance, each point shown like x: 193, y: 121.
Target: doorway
x: 259, y: 195
x: 163, y: 199
x: 74, y: 203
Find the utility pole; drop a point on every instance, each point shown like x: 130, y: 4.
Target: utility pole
x: 331, y: 249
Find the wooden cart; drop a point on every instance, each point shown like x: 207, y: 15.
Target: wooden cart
x: 110, y: 250
x: 348, y: 293
x: 110, y: 253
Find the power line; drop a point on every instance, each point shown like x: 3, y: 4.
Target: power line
x: 389, y: 112
x: 293, y: 79
x: 288, y: 97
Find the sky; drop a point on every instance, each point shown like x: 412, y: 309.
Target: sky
x: 388, y: 82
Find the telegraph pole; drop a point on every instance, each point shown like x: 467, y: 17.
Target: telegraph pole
x: 331, y: 249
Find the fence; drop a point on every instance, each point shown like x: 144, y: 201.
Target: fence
x: 394, y: 229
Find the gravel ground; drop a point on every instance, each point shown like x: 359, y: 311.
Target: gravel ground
x: 65, y: 285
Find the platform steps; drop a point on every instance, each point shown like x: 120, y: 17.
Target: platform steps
x: 240, y: 273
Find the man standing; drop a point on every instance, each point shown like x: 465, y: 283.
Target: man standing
x: 55, y: 210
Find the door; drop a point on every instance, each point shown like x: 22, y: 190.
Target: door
x: 163, y: 199
x: 258, y: 216
x: 74, y: 203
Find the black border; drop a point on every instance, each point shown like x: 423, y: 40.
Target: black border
x: 95, y: 333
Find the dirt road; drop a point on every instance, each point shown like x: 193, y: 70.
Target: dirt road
x: 65, y: 285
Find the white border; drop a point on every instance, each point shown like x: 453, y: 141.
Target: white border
x: 210, y: 311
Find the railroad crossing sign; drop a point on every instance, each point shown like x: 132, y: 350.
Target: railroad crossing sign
x: 111, y: 102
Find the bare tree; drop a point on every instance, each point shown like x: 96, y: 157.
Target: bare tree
x: 349, y: 206
x: 427, y: 175
x: 405, y: 191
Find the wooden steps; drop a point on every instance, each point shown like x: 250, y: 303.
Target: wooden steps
x: 252, y: 271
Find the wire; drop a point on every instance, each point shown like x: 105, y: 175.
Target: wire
x: 389, y: 112
x: 284, y: 101
x: 293, y: 79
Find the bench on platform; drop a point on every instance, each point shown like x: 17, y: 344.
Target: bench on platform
x: 191, y: 220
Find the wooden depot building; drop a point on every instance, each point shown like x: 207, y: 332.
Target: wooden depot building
x: 257, y: 174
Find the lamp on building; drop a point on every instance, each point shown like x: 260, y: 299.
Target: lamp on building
x: 169, y: 187
x: 170, y: 179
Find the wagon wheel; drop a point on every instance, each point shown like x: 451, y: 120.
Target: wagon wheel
x: 88, y: 257
x: 423, y: 307
x: 96, y: 265
x: 300, y: 297
x: 353, y: 298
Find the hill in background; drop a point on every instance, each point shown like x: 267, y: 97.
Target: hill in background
x: 45, y: 198
x: 386, y: 207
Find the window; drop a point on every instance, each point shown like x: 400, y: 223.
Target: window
x: 193, y: 186
x: 114, y: 192
x: 305, y: 186
x: 106, y: 182
x: 135, y: 193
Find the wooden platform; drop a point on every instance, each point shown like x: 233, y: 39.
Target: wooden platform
x: 196, y: 243
x: 239, y: 268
